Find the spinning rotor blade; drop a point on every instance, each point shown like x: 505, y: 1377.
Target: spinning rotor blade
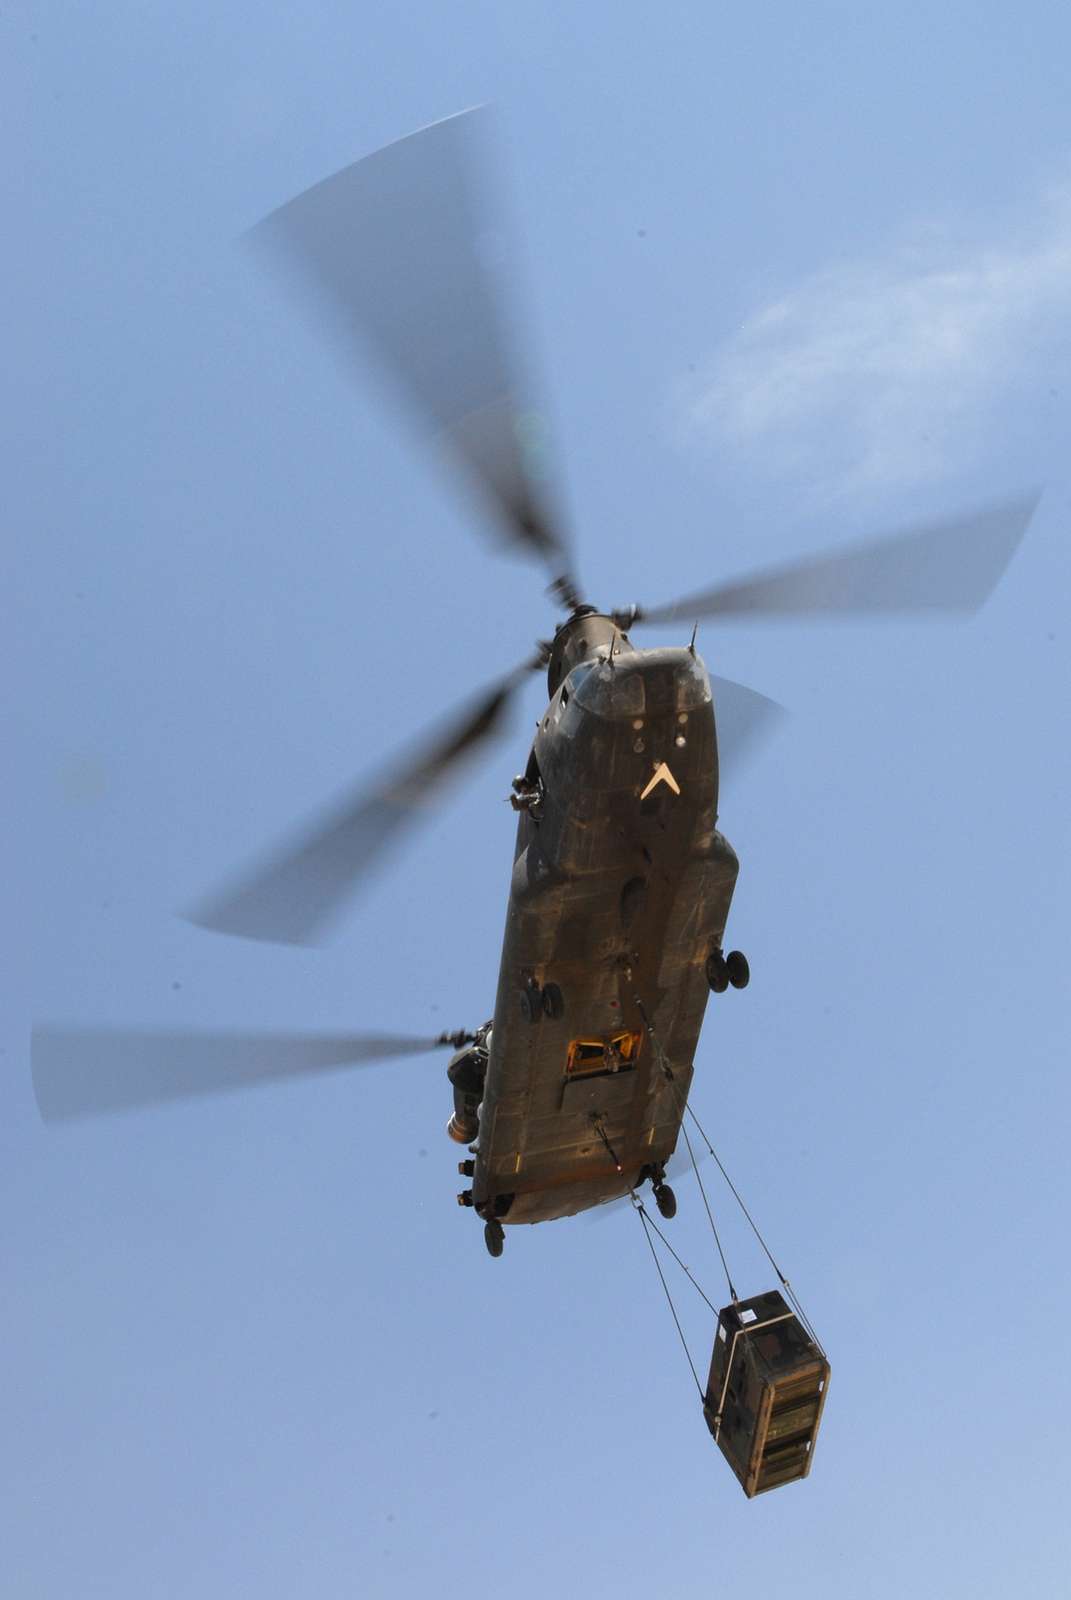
x: 948, y: 566
x: 83, y: 1072
x: 297, y: 889
x: 743, y: 718
x: 401, y: 252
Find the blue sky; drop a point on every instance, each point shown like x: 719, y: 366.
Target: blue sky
x: 788, y: 279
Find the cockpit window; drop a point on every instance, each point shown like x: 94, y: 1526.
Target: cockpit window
x: 610, y: 690
x: 693, y: 685
x: 577, y: 676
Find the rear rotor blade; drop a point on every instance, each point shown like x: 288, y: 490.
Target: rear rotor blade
x: 81, y: 1072
x: 945, y: 567
x: 402, y: 251
x: 296, y: 890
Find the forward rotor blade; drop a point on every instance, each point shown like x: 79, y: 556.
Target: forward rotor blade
x: 744, y: 719
x: 945, y: 567
x: 401, y: 251
x: 298, y: 888
x: 82, y: 1072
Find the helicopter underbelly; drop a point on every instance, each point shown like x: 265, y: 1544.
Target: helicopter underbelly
x: 621, y: 888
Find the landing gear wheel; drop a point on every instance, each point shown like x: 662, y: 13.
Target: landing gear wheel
x: 531, y: 1002
x: 717, y: 972
x: 553, y: 1001
x: 494, y: 1237
x: 737, y: 968
x: 665, y: 1200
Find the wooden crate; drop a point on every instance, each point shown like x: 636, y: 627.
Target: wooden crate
x: 767, y: 1386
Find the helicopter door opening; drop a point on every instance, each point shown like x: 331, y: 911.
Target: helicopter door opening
x: 590, y: 1057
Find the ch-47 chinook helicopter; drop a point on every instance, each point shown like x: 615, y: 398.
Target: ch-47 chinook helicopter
x: 621, y: 884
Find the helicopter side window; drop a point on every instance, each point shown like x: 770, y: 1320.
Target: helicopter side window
x: 570, y: 704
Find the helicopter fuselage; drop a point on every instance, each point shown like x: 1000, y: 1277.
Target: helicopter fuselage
x: 620, y: 892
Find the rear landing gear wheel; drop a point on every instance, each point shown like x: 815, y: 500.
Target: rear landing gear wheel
x: 494, y: 1237
x: 665, y: 1200
x: 737, y: 968
x: 717, y: 972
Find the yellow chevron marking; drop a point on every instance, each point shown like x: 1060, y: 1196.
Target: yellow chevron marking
x: 661, y: 774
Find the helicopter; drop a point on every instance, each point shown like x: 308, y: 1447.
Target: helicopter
x: 572, y: 1094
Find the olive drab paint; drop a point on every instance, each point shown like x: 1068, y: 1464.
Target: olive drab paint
x: 619, y: 896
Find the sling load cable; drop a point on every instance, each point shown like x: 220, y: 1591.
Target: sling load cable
x: 682, y: 1106
x: 647, y: 1223
x: 789, y: 1290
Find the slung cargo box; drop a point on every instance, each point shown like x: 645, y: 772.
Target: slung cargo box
x: 767, y: 1386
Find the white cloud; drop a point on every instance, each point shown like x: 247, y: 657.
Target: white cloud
x: 883, y: 373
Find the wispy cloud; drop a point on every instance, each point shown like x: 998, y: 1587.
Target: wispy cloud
x: 881, y: 373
